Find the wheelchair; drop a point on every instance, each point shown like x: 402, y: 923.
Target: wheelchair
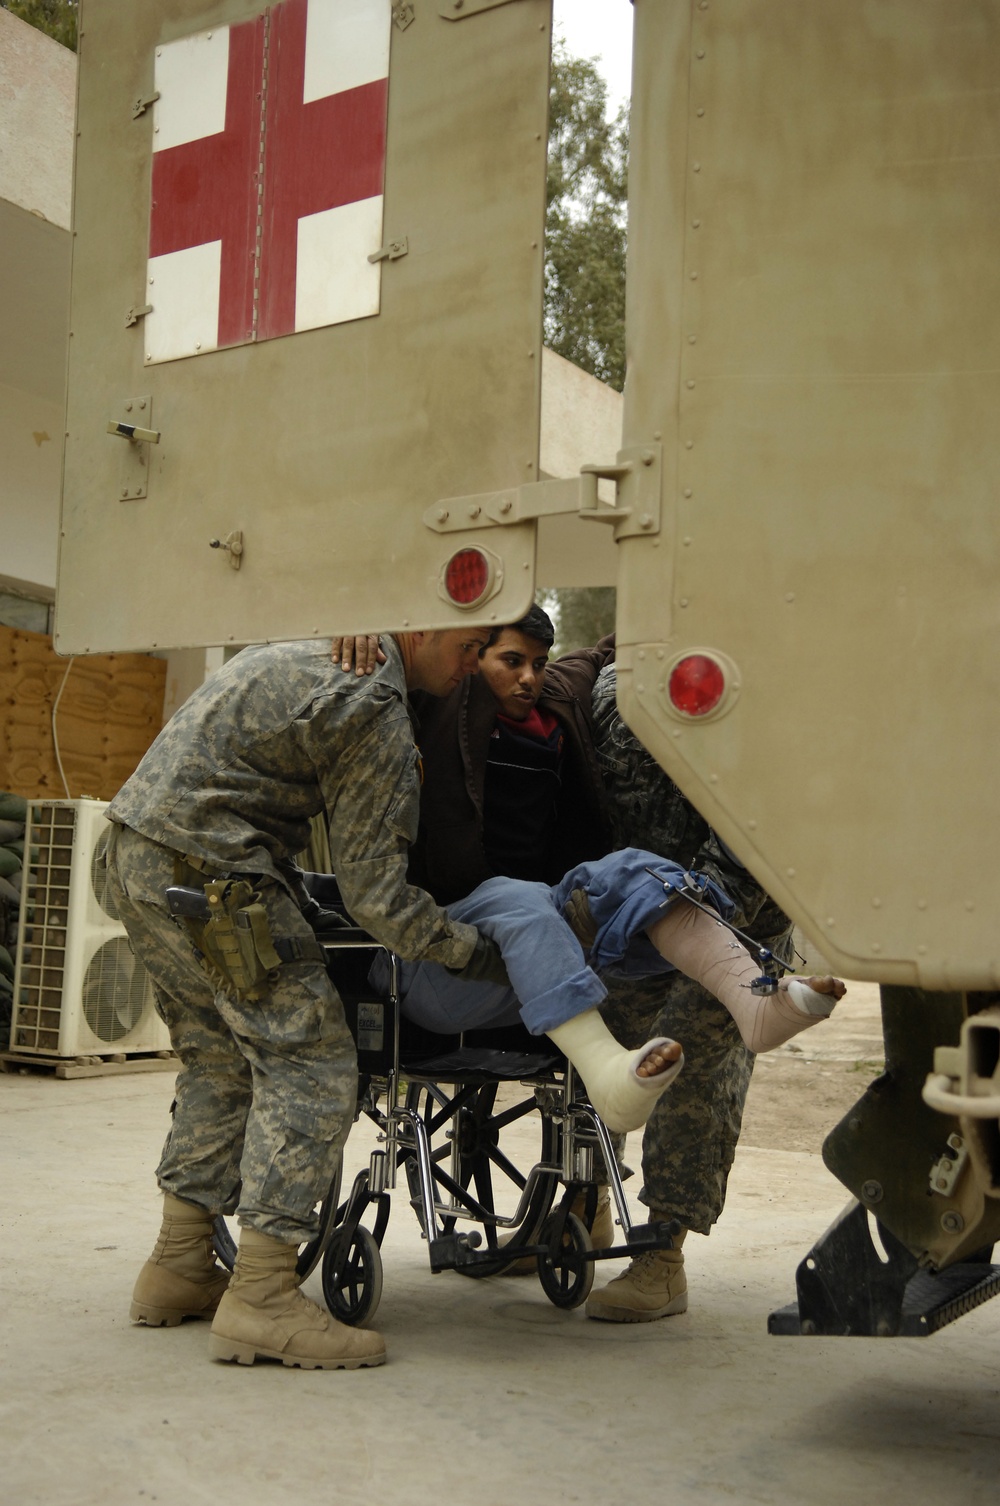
x: 441, y: 1105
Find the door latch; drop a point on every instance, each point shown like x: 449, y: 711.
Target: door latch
x: 233, y: 546
x: 133, y: 432
x: 133, y: 426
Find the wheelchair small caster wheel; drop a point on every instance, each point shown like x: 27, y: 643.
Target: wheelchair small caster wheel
x: 567, y: 1278
x: 223, y: 1242
x: 352, y: 1280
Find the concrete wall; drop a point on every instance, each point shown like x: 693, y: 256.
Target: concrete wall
x: 37, y: 101
x: 581, y: 425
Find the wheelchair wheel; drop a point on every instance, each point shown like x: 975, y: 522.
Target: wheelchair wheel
x: 224, y: 1242
x: 472, y: 1166
x: 567, y: 1280
x: 356, y: 1290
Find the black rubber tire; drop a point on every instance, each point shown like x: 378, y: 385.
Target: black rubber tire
x: 225, y: 1244
x: 358, y: 1291
x: 484, y: 1171
x: 224, y: 1236
x: 568, y: 1281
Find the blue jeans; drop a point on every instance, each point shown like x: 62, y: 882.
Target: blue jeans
x: 552, y: 978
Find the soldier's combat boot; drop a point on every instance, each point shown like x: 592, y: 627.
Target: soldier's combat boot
x: 654, y: 1286
x: 623, y: 1085
x: 181, y: 1278
x: 264, y: 1315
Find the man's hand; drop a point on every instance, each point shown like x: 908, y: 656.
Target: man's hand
x: 362, y: 652
x: 484, y: 966
x: 324, y: 921
x: 578, y: 917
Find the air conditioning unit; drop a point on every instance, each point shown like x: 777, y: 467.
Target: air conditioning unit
x: 78, y: 989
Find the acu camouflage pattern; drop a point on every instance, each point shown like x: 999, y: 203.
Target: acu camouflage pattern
x: 267, y: 1089
x: 266, y: 1092
x: 277, y: 736
x: 690, y: 1138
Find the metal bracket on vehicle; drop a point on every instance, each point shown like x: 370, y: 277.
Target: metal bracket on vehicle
x: 143, y: 103
x: 460, y: 10
x: 635, y: 512
x: 846, y: 1286
x: 949, y: 1167
x: 392, y: 251
x: 402, y: 15
x: 966, y: 1077
x: 232, y: 544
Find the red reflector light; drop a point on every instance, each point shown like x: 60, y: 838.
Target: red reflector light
x: 697, y: 685
x: 467, y: 576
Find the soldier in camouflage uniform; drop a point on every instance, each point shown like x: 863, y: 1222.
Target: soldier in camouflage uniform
x: 690, y: 1138
x: 266, y: 1091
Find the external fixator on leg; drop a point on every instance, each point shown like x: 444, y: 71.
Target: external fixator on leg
x: 769, y: 1008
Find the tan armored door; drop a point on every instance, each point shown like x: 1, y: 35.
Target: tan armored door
x: 306, y: 305
x: 811, y: 642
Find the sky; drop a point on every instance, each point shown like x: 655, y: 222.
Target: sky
x: 600, y: 29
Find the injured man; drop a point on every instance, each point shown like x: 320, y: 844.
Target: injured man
x: 624, y: 914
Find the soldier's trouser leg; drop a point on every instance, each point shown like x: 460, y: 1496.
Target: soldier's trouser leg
x: 690, y: 1138
x: 266, y: 1093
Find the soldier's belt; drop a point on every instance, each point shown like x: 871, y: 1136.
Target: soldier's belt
x: 231, y: 930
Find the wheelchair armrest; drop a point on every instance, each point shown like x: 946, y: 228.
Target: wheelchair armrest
x: 346, y: 936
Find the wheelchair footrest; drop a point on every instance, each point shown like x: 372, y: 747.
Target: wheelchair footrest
x: 641, y: 1237
x: 452, y: 1252
x: 653, y: 1236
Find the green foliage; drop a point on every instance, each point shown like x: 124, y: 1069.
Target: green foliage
x: 585, y: 232
x: 57, y: 18
x: 581, y: 615
x: 585, y: 238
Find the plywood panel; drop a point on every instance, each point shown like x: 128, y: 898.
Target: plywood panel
x: 109, y: 711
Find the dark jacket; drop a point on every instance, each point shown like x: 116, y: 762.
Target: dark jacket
x: 454, y: 735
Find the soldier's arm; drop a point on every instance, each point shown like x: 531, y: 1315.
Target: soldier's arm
x: 373, y: 797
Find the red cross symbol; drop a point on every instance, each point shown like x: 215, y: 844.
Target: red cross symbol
x: 277, y: 160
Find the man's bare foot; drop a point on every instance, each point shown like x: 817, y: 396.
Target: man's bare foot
x: 815, y: 996
x: 825, y: 984
x: 659, y: 1059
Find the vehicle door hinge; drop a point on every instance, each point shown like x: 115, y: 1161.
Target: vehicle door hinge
x: 402, y: 15
x: 143, y: 103
x: 392, y: 251
x: 459, y: 10
x: 635, y: 512
x: 134, y: 314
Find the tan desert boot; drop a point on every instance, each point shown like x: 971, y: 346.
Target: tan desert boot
x: 654, y: 1286
x: 264, y: 1315
x: 181, y: 1278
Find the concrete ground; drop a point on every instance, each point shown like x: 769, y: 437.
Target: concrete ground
x: 491, y: 1395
